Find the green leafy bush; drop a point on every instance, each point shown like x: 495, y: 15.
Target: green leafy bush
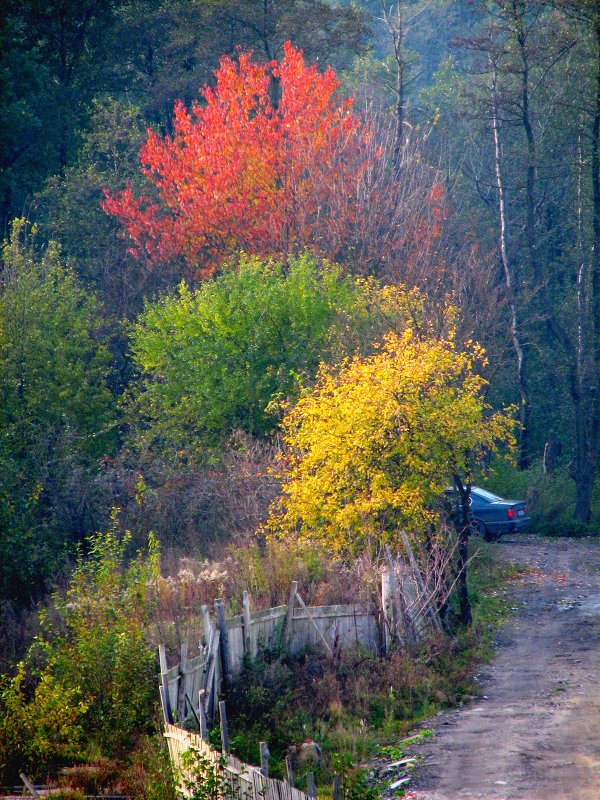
x: 223, y: 357
x: 57, y: 416
x: 88, y: 685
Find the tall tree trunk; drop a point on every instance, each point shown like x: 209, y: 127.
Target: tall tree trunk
x: 519, y: 348
x: 395, y: 25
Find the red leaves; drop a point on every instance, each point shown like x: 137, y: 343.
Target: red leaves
x: 240, y: 174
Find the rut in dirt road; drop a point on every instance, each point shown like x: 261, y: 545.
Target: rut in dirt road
x: 534, y: 733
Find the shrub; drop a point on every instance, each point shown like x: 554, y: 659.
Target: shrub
x: 88, y: 685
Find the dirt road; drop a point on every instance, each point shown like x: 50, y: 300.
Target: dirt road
x: 534, y: 733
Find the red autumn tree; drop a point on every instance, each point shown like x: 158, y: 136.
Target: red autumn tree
x: 242, y: 173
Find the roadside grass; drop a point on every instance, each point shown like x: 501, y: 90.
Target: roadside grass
x: 489, y: 591
x: 359, y: 706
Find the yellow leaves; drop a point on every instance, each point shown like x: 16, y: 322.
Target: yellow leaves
x: 370, y: 449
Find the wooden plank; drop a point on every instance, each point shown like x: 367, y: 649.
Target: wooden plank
x: 268, y: 613
x: 30, y: 787
x: 337, y: 787
x: 289, y: 771
x: 289, y: 616
x: 196, y: 663
x: 264, y: 759
x: 333, y: 612
x: 247, y: 621
x: 386, y: 623
x: 235, y: 639
x: 224, y: 726
x: 211, y: 688
x: 395, y: 612
x: 206, y: 623
x: 164, y: 684
x: 162, y: 658
x: 323, y: 639
x: 202, y: 714
x: 165, y: 704
x: 183, y: 688
x: 224, y: 644
x: 311, y: 787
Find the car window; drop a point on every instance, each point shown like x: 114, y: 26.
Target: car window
x: 488, y: 497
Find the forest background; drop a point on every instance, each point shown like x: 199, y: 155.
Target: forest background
x: 123, y: 387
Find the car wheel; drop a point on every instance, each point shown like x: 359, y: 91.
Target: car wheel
x: 479, y: 529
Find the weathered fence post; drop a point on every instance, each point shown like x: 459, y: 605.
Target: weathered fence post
x: 395, y: 599
x: 337, y: 786
x: 247, y: 622
x: 224, y: 642
x: 211, y: 689
x: 206, y: 623
x: 289, y: 617
x: 386, y: 633
x: 224, y: 728
x: 289, y: 771
x: 164, y: 685
x: 183, y: 669
x: 264, y: 759
x: 311, y: 787
x: 202, y: 714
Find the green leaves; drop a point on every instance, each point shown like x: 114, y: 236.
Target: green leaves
x: 56, y: 415
x: 216, y: 359
x: 88, y: 682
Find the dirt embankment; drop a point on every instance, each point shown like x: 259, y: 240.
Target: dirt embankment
x: 534, y: 733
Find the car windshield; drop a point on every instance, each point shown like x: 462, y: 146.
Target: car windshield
x: 484, y: 495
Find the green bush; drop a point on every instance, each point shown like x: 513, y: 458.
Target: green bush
x: 88, y: 685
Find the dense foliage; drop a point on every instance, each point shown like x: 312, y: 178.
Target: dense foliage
x: 56, y: 416
x: 373, y: 446
x: 257, y: 166
x: 225, y: 356
x: 456, y: 195
x: 87, y: 687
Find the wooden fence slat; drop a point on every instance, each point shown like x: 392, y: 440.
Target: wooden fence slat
x: 224, y: 645
x: 289, y: 771
x: 211, y: 690
x: 224, y: 727
x: 314, y: 624
x: 311, y: 787
x: 247, y: 621
x: 264, y: 759
x: 337, y: 786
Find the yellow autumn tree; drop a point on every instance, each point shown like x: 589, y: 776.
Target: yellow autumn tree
x: 370, y: 449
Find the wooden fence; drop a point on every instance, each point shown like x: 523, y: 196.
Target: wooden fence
x: 190, y: 689
x: 241, y: 781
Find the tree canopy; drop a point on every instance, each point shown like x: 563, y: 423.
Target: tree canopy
x: 259, y: 165
x: 371, y: 448
x: 56, y: 415
x: 219, y: 358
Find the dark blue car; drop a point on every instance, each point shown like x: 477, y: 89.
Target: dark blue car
x: 492, y: 516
